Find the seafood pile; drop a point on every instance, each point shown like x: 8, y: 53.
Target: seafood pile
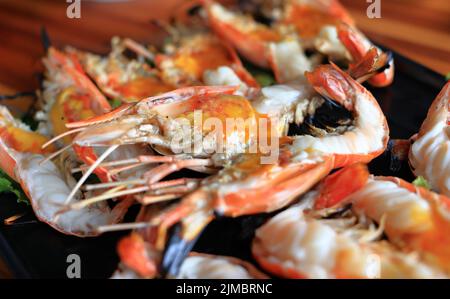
x: 120, y: 131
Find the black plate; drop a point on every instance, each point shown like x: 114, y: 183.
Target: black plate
x: 33, y: 249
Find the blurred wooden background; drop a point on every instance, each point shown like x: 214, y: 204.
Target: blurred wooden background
x: 419, y: 29
x: 416, y: 28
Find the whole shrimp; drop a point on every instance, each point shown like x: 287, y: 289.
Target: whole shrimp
x: 69, y: 95
x: 296, y: 25
x: 429, y: 154
x: 166, y: 123
x: 191, y: 51
x: 47, y: 184
x: 191, y: 59
x: 123, y: 78
x: 248, y: 187
x: 413, y: 217
x: 306, y: 241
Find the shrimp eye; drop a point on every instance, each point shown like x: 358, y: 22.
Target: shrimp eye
x: 194, y: 10
x: 389, y: 57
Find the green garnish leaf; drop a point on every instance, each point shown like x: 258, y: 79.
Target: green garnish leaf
x: 265, y: 79
x: 115, y: 103
x: 420, y: 181
x: 8, y: 185
x: 447, y: 77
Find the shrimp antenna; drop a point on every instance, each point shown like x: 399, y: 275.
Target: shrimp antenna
x: 62, y: 135
x: 138, y: 49
x: 89, y: 172
x: 122, y: 226
x: 55, y: 154
x: 45, y: 39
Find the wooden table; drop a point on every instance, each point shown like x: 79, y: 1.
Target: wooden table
x: 416, y: 28
x: 419, y: 29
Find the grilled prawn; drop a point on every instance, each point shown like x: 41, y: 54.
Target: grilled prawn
x: 296, y: 25
x: 69, y: 95
x: 193, y: 57
x: 429, y: 155
x: 304, y: 243
x: 122, y: 78
x: 48, y: 184
x: 248, y: 186
x: 413, y: 217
